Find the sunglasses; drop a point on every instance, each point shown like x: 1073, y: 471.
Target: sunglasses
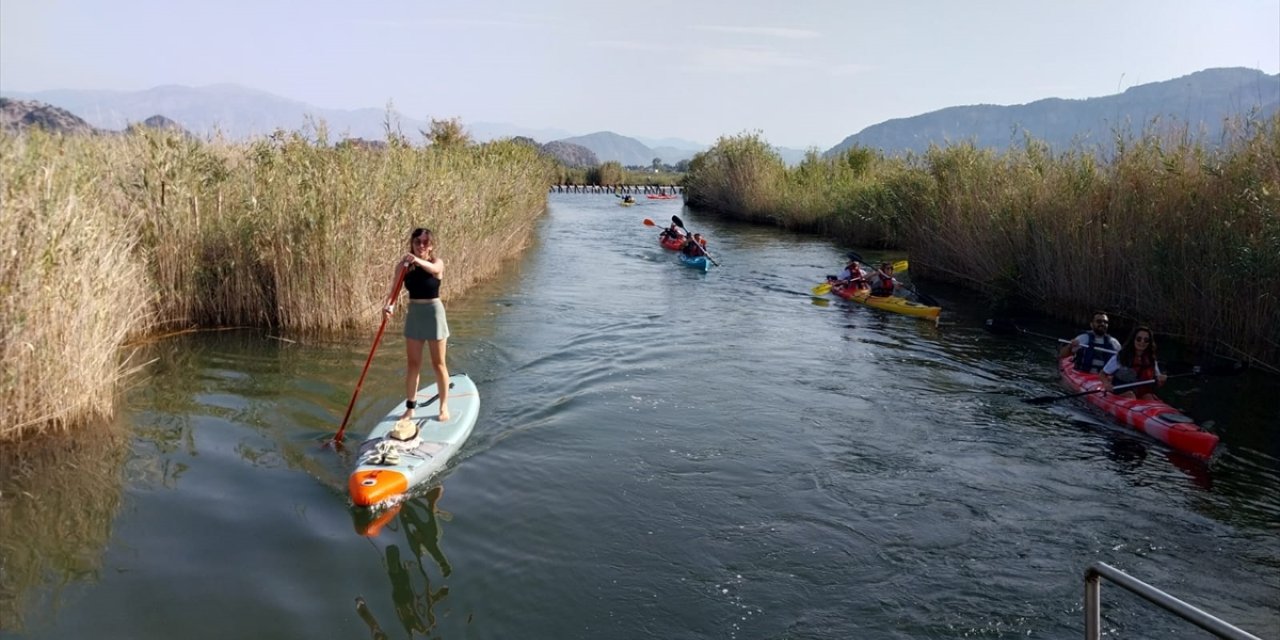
x: 1142, y: 339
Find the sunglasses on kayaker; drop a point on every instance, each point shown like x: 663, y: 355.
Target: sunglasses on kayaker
x: 1141, y: 339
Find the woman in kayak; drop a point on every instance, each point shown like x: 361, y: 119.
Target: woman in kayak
x: 882, y: 280
x: 425, y: 323
x: 696, y: 247
x: 1135, y: 362
x: 672, y: 232
x: 851, y: 276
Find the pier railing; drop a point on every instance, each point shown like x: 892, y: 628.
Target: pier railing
x: 670, y: 189
x: 1093, y: 604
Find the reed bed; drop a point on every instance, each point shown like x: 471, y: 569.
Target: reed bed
x: 122, y: 237
x: 60, y: 536
x: 1165, y: 230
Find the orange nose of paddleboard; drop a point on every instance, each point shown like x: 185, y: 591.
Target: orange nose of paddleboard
x: 371, y: 487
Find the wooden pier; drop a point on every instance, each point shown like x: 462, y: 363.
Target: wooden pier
x: 617, y: 188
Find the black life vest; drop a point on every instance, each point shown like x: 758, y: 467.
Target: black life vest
x: 1090, y: 358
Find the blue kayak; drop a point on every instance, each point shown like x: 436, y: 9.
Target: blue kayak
x: 700, y: 262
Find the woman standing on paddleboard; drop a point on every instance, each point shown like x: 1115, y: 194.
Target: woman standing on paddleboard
x: 425, y: 322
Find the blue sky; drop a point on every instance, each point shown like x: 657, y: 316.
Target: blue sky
x: 805, y: 73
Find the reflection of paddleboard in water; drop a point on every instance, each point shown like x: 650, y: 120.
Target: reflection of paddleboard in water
x: 398, y: 455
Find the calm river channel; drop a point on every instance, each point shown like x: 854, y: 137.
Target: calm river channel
x: 661, y: 453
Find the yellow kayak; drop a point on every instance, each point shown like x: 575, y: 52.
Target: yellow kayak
x: 887, y: 303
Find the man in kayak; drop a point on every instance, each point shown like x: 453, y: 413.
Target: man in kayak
x: 881, y: 280
x: 1135, y: 362
x: 628, y: 198
x: 1092, y: 348
x: 672, y: 232
x: 695, y: 248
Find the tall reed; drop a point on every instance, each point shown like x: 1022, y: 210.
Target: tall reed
x: 128, y: 235
x: 1167, y: 229
x: 72, y: 281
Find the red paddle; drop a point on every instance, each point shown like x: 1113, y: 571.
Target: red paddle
x: 395, y: 291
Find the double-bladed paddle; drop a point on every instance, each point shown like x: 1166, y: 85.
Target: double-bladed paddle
x: 680, y: 223
x: 1048, y: 399
x: 926, y: 299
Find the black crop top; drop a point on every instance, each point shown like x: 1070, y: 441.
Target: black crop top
x: 422, y: 284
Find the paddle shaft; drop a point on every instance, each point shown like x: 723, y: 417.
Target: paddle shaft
x: 1048, y: 399
x: 680, y: 223
x: 929, y: 300
x: 395, y: 291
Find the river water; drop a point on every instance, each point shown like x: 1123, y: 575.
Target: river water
x: 663, y: 453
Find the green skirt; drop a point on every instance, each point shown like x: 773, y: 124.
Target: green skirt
x: 426, y: 321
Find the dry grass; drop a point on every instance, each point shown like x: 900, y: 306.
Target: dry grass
x: 58, y: 499
x: 120, y: 237
x: 1168, y: 231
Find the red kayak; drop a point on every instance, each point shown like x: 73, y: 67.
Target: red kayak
x: 658, y: 197
x: 674, y: 244
x: 1150, y: 416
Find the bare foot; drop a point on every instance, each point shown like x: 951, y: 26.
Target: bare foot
x: 444, y: 414
x: 407, y: 415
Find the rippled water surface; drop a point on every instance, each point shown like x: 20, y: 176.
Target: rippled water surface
x: 663, y: 453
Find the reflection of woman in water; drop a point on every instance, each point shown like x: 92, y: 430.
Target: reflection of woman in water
x: 419, y: 519
x: 422, y: 529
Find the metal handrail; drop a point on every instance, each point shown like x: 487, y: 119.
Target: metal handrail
x: 1093, y: 604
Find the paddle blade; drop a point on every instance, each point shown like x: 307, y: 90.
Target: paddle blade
x: 649, y: 223
x: 678, y: 221
x: 822, y: 289
x: 901, y: 265
x: 1043, y: 399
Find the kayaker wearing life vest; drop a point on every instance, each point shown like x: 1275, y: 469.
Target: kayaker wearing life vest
x: 1135, y: 362
x: 1092, y: 348
x: 851, y: 276
x: 695, y: 248
x: 881, y: 280
x: 672, y: 231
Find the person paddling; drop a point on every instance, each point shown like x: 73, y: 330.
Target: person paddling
x: 1092, y: 348
x: 425, y: 324
x: 695, y: 248
x: 882, y: 281
x: 1135, y: 362
x: 851, y: 276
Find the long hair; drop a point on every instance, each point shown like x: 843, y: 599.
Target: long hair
x: 1127, y: 352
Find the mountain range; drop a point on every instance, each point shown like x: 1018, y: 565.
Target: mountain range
x: 1201, y: 100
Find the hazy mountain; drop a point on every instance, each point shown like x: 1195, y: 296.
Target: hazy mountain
x: 611, y: 147
x: 20, y: 115
x: 1202, y: 99
x: 791, y: 157
x: 672, y: 155
x: 672, y: 143
x: 485, y: 131
x: 239, y: 112
x: 569, y: 154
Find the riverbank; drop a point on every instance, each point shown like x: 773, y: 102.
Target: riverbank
x: 115, y: 239
x: 1169, y: 231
